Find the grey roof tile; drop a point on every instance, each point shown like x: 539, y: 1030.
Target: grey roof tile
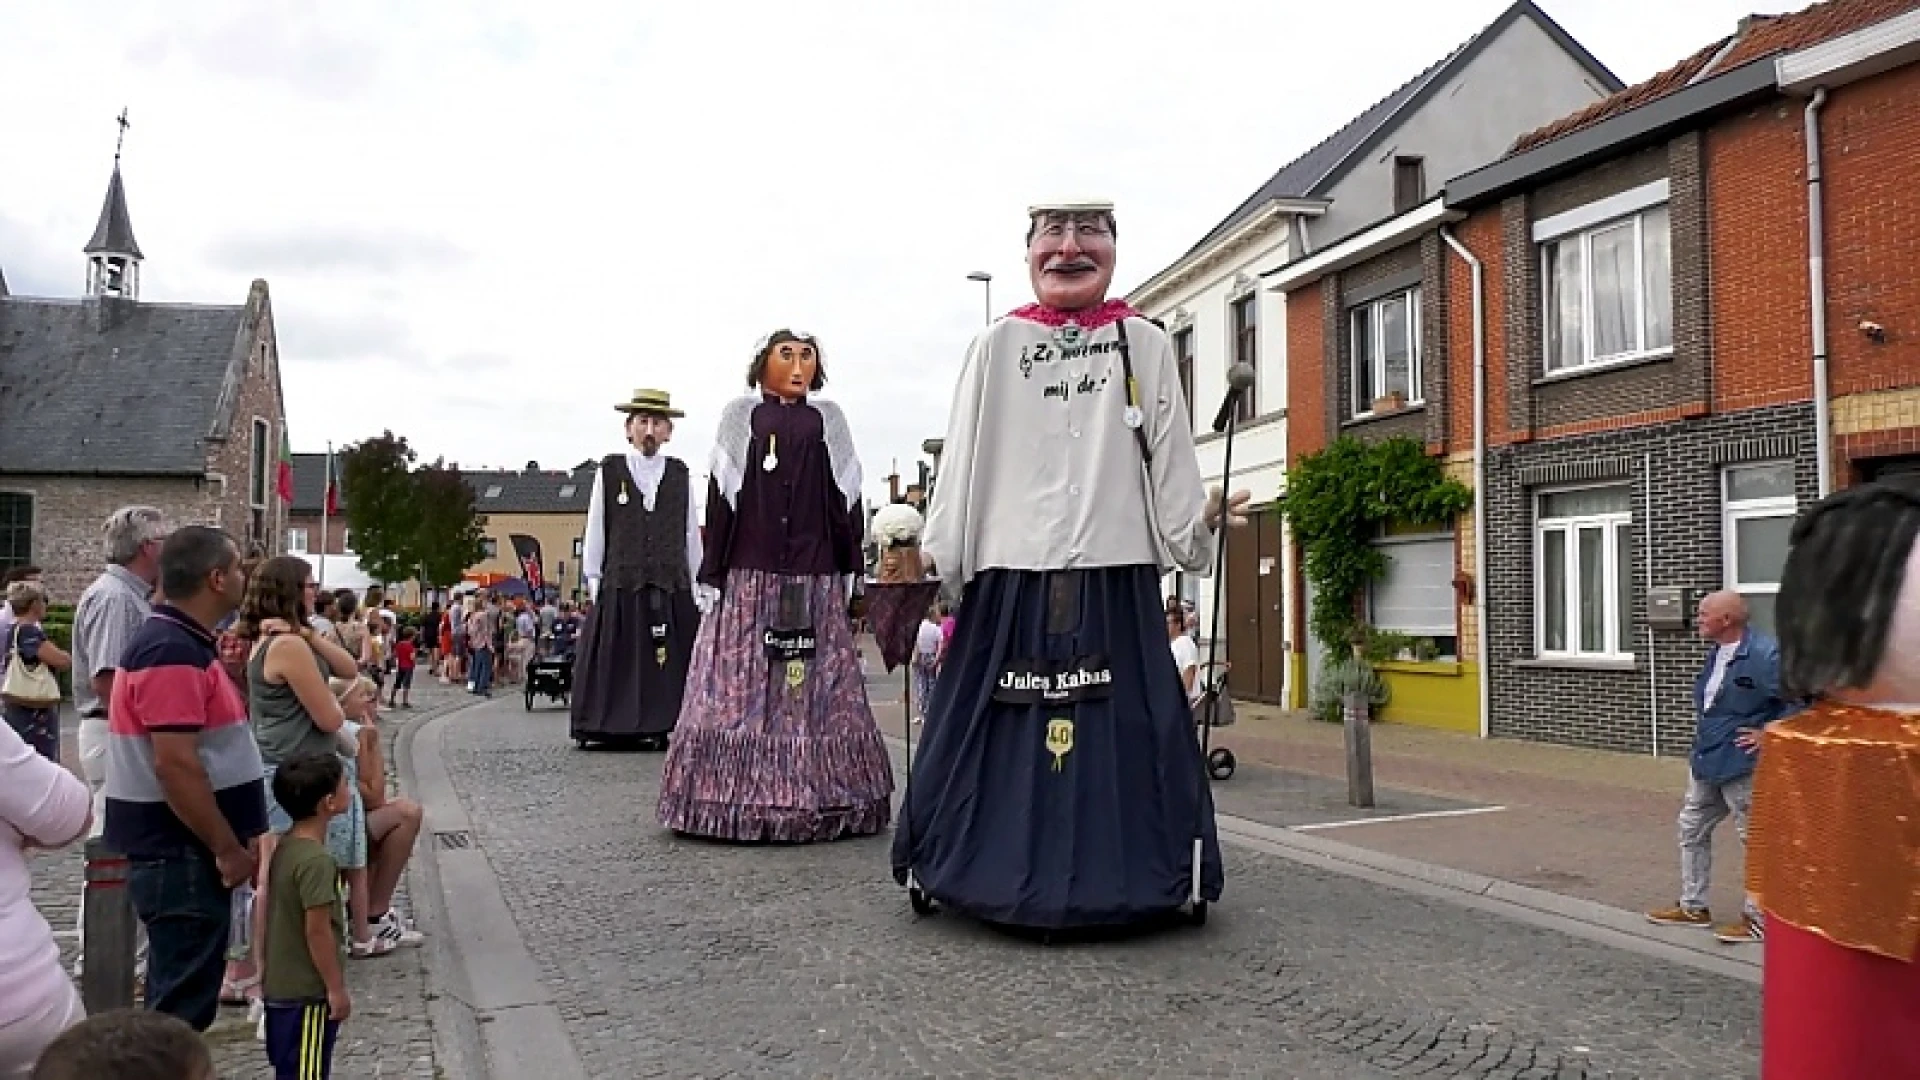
x: 113, y: 234
x: 545, y: 491
x: 139, y: 398
x: 1312, y: 174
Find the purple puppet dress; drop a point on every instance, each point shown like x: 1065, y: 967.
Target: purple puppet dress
x: 775, y: 739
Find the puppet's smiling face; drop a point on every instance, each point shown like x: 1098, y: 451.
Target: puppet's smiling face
x: 648, y: 432
x: 1070, y: 258
x: 791, y: 367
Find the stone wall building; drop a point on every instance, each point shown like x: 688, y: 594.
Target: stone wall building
x: 108, y: 401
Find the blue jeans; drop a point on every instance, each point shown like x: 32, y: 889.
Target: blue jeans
x: 186, y: 911
x: 482, y: 677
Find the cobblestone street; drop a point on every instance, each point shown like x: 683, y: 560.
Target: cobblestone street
x: 674, y: 958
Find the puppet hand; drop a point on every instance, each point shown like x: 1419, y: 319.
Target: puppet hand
x: 1236, y: 507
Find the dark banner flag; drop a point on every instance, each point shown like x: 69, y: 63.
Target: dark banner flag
x: 527, y: 550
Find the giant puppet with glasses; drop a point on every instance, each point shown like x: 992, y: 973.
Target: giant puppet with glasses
x: 1059, y: 783
x: 775, y: 741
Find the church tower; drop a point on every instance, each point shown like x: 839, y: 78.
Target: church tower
x: 113, y: 256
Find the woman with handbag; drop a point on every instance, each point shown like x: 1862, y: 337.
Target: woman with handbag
x: 30, y: 694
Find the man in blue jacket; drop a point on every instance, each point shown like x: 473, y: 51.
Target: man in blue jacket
x: 1735, y: 695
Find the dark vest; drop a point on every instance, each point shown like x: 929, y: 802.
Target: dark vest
x: 645, y: 547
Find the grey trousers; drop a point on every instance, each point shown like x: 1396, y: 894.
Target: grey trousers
x: 1704, y: 808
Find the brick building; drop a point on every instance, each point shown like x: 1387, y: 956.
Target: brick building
x: 1641, y: 345
x: 107, y: 401
x: 1652, y: 419
x: 313, y: 528
x: 1370, y: 355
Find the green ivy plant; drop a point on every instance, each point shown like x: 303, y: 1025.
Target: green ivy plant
x: 1336, y: 502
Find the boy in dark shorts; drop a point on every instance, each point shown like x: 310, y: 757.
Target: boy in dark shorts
x: 405, y: 656
x: 304, y: 986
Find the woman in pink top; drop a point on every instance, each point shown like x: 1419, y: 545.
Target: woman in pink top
x: 41, y: 806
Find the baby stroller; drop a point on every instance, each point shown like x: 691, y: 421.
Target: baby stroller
x: 1214, y: 708
x: 552, y: 676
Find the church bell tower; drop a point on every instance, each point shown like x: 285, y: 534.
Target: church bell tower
x: 113, y: 256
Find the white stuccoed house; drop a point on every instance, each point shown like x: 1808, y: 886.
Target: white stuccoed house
x: 1518, y: 73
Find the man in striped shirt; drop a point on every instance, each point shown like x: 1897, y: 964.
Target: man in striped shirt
x: 184, y: 794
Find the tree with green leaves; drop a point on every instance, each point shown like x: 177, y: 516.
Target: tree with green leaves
x: 408, y: 522
x: 450, y: 534
x: 382, y: 509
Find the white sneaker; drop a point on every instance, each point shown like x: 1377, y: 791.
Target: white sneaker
x: 391, y: 927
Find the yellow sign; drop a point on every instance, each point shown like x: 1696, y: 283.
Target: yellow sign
x: 796, y: 673
x: 660, y: 656
x: 1059, y: 739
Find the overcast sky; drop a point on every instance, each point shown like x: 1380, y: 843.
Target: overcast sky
x: 483, y: 231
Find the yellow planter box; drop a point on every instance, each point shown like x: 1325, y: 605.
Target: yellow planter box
x: 1440, y: 694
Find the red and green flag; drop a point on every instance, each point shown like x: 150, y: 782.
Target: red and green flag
x: 285, y: 481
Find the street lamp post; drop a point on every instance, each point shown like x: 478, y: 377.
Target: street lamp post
x: 986, y: 281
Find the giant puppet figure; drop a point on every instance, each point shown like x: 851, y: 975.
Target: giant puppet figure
x: 639, y: 556
x: 1833, y: 854
x: 1059, y: 783
x: 776, y: 741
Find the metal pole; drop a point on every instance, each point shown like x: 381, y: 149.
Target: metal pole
x: 108, y: 932
x: 988, y: 291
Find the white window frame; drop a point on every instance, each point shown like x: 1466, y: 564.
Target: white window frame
x: 1374, y: 312
x: 296, y: 540
x: 346, y: 541
x: 1451, y: 629
x: 1613, y: 621
x: 1579, y: 226
x: 1734, y: 511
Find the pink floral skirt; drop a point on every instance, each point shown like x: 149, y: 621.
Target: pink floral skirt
x: 756, y: 758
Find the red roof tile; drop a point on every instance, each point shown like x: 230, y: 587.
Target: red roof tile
x: 1758, y: 36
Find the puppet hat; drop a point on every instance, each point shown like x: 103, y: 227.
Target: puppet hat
x: 1071, y: 206
x: 657, y: 402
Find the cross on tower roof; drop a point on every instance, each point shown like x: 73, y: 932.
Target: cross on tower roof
x: 121, y: 141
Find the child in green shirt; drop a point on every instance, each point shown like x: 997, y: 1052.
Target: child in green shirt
x: 303, y: 985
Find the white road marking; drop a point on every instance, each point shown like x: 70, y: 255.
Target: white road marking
x: 1399, y: 817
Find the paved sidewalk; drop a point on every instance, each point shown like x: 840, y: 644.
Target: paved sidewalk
x: 389, y: 1034
x: 1584, y: 823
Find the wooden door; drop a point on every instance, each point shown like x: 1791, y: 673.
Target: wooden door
x: 1254, y: 616
x: 1242, y: 622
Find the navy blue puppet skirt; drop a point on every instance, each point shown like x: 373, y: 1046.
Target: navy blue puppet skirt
x: 1016, y: 818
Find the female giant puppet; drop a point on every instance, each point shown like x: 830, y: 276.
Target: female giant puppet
x: 1833, y: 854
x: 775, y: 739
x: 1059, y: 783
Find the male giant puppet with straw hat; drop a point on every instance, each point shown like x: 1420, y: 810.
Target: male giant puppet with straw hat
x: 1059, y: 783
x: 640, y: 557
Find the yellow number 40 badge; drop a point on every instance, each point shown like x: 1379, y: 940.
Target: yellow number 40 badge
x: 1059, y: 739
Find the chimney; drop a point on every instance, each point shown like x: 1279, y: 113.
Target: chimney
x: 107, y: 312
x: 893, y: 487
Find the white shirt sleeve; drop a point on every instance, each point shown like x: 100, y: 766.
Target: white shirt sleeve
x: 696, y: 551
x: 593, y: 546
x: 946, y: 537
x: 1179, y: 492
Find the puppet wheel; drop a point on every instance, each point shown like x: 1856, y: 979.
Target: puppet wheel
x: 1221, y: 763
x: 922, y: 903
x: 1197, y: 915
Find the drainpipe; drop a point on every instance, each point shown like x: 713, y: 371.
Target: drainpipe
x: 1653, y: 656
x: 1817, y: 288
x: 1479, y: 478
